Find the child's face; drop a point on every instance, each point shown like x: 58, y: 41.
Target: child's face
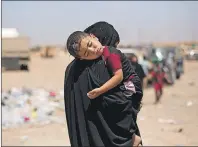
x: 90, y: 48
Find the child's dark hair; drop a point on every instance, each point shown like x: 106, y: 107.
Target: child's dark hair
x: 73, y: 42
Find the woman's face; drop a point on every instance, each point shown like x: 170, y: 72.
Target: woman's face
x: 90, y: 48
x: 134, y: 59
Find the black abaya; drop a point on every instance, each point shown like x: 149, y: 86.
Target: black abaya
x: 104, y: 121
x: 107, y: 120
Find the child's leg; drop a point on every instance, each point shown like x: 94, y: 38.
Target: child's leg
x: 157, y: 92
x: 161, y: 90
x: 157, y: 96
x: 136, y: 140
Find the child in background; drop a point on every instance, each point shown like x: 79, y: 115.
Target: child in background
x: 157, y: 77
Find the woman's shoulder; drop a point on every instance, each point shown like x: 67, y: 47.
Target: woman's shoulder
x: 70, y: 66
x: 113, y: 49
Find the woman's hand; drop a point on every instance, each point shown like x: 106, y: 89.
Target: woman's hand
x: 94, y: 93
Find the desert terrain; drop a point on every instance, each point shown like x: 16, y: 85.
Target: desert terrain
x: 173, y: 122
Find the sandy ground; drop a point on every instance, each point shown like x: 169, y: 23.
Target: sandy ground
x: 44, y: 73
x: 172, y: 122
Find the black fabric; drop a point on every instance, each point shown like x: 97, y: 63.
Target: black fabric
x: 137, y: 97
x: 137, y: 67
x: 139, y: 70
x: 105, y: 121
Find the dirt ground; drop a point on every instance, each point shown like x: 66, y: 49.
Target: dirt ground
x: 173, y: 122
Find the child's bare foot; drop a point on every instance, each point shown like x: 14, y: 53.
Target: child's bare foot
x: 136, y: 140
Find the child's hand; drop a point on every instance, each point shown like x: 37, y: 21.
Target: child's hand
x: 94, y: 93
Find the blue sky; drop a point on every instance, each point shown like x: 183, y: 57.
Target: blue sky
x: 50, y: 22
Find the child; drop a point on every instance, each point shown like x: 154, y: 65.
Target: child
x: 87, y: 47
x: 157, y: 76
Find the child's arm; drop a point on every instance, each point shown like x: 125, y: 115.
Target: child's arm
x: 113, y: 82
x: 114, y: 64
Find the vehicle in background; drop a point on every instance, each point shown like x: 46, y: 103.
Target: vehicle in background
x: 192, y: 53
x: 128, y: 51
x: 15, y: 50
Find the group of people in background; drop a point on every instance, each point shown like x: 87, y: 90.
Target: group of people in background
x: 149, y: 69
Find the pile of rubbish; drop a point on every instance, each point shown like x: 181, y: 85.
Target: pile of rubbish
x: 34, y: 106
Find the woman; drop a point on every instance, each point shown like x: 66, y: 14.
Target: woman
x: 138, y: 68
x: 99, y: 122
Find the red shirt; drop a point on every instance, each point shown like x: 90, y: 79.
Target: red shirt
x: 116, y: 60
x: 158, y: 76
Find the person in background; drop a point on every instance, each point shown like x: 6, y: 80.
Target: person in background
x: 147, y: 66
x: 171, y: 66
x: 157, y: 75
x: 138, y: 68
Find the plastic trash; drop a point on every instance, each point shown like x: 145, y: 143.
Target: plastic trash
x: 24, y: 105
x: 15, y: 92
x: 5, y: 95
x: 26, y: 119
x: 5, y: 116
x: 40, y: 92
x: 27, y: 91
x: 16, y: 118
x: 61, y: 93
x: 52, y: 94
x: 61, y: 105
x: 34, y: 113
x: 26, y: 113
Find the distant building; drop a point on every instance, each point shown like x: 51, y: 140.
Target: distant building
x: 15, y: 50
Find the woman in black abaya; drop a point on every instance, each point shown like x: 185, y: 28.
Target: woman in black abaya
x: 107, y: 120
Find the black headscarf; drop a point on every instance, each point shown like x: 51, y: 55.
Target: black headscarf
x: 105, y: 32
x: 132, y: 55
